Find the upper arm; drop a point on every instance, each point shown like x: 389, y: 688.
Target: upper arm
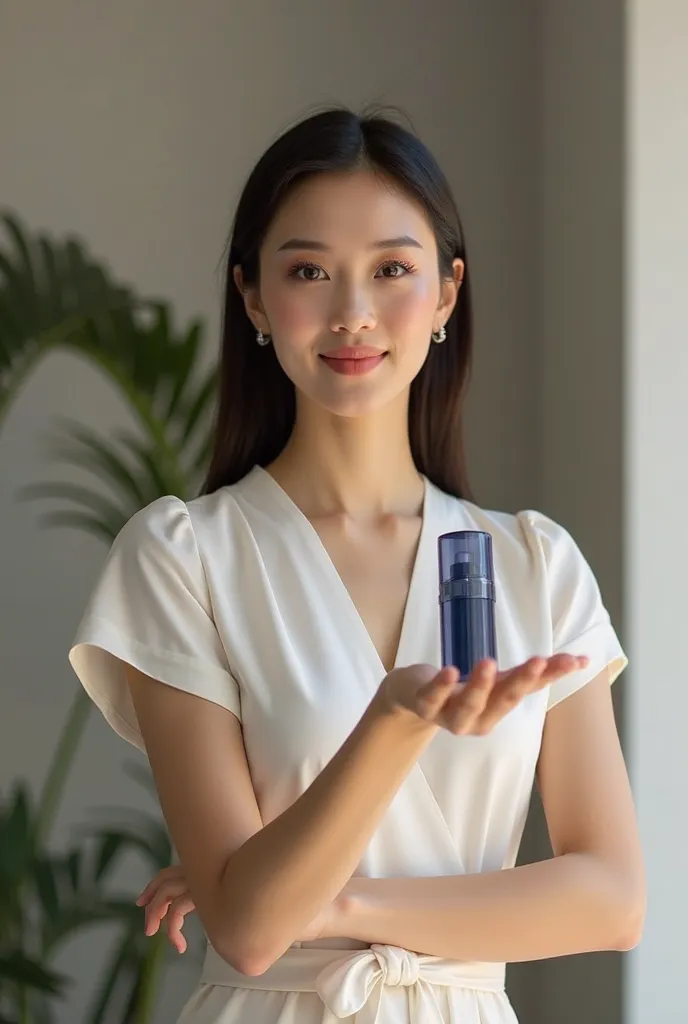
x: 197, y: 757
x: 150, y: 655
x: 585, y: 788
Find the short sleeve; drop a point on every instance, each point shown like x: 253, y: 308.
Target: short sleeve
x: 580, y: 620
x: 151, y: 609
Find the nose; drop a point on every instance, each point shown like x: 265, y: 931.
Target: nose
x: 353, y: 310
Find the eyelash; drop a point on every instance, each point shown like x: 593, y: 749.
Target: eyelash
x: 408, y: 267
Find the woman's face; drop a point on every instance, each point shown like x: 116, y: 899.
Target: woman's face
x: 349, y: 268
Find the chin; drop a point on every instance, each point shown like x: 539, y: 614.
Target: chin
x: 354, y: 399
x: 351, y: 397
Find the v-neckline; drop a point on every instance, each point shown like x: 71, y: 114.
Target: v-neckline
x: 320, y: 552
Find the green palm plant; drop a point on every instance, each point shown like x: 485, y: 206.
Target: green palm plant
x: 54, y: 295
x: 48, y: 898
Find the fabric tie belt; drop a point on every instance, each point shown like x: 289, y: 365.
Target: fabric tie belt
x: 353, y: 981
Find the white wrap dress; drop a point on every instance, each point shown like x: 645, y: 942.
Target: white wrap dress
x: 233, y: 597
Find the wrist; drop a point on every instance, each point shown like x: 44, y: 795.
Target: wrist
x: 352, y: 910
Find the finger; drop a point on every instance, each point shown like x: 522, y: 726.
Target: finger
x: 465, y: 707
x: 172, y: 872
x: 563, y: 664
x: 537, y: 673
x: 159, y: 907
x: 168, y: 891
x: 179, y: 908
x: 154, y: 916
x: 515, y: 684
x: 174, y: 924
x: 148, y: 892
x: 432, y: 695
x: 159, y: 904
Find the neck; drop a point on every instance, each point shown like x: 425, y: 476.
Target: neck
x: 359, y: 466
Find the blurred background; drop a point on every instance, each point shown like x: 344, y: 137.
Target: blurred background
x: 126, y: 132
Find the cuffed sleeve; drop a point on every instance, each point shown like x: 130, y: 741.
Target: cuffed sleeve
x: 151, y: 609
x: 580, y: 621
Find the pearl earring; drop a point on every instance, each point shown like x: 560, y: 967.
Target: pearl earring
x: 439, y: 336
x: 262, y: 339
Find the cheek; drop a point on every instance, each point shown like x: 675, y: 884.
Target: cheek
x: 291, y: 313
x: 411, y: 310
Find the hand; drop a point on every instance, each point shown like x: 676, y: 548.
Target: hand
x: 473, y: 707
x: 167, y: 895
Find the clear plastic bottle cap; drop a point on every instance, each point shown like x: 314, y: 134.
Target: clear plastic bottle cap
x: 465, y: 554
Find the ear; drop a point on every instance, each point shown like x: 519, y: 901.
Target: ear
x: 449, y: 293
x: 252, y: 303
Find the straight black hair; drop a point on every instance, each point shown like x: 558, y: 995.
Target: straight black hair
x: 257, y: 401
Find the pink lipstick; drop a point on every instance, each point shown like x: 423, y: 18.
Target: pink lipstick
x: 353, y: 360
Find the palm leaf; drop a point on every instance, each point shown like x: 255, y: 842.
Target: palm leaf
x: 54, y: 294
x: 132, y: 471
x: 16, y: 837
x: 133, y: 831
x: 109, y: 516
x: 80, y: 446
x: 20, y: 969
x: 49, y: 292
x: 123, y: 958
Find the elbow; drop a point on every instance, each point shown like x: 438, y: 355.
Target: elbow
x: 252, y: 968
x: 631, y: 931
x: 240, y: 959
x: 240, y: 955
x: 630, y: 917
x: 618, y: 905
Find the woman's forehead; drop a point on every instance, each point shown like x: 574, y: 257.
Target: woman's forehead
x: 340, y: 209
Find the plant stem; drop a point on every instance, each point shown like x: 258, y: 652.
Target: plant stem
x: 24, y: 1015
x: 150, y: 973
x: 62, y: 761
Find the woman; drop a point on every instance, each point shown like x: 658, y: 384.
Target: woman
x: 347, y: 816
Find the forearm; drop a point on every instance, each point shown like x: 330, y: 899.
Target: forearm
x: 569, y: 904
x: 284, y: 875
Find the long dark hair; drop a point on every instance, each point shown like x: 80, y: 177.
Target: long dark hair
x: 257, y: 401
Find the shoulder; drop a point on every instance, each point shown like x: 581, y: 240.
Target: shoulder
x: 528, y: 545
x: 158, y: 533
x: 161, y: 519
x: 171, y: 523
x: 527, y: 534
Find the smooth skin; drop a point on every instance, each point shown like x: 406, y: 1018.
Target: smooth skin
x: 259, y: 886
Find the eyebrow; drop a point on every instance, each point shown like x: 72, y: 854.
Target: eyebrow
x: 384, y: 243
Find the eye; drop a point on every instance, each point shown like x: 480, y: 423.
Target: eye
x: 296, y: 270
x: 401, y: 266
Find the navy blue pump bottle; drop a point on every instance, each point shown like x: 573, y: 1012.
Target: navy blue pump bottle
x: 467, y: 599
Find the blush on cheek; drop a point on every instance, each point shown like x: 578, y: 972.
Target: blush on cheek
x: 291, y: 316
x: 409, y: 312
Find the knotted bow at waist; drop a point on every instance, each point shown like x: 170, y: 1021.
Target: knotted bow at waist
x: 353, y: 981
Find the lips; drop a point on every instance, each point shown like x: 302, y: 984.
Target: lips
x: 353, y: 361
x: 354, y: 352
